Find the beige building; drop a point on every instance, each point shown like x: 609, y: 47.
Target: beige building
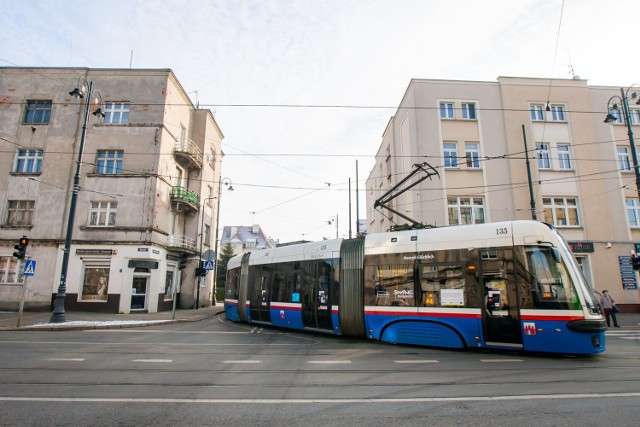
x: 149, y: 175
x: 473, y: 135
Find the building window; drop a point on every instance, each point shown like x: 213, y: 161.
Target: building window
x: 28, y: 161
x: 472, y: 154
x: 116, y: 113
x: 634, y: 116
x: 542, y: 154
x: 95, y: 285
x: 37, y: 112
x: 537, y: 113
x: 207, y: 235
x: 387, y: 163
x: 109, y: 162
x: 450, y: 155
x: 447, y: 111
x: 564, y: 157
x: 102, y: 214
x: 561, y: 211
x: 465, y: 210
x: 11, y: 270
x: 624, y: 162
x: 557, y: 113
x: 633, y: 212
x: 468, y: 111
x: 20, y: 212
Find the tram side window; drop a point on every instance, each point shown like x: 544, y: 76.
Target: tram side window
x: 442, y: 285
x: 231, y: 285
x: 394, y: 285
x: 279, y: 288
x: 548, y: 281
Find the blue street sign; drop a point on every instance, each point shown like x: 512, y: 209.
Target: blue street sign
x: 207, y: 265
x: 29, y: 267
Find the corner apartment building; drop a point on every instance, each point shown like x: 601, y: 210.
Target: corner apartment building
x: 150, y: 171
x: 473, y: 134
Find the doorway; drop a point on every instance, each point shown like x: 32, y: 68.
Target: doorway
x: 139, y: 293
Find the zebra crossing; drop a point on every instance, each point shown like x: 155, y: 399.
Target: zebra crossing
x: 623, y: 333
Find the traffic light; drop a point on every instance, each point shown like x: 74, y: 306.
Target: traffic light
x: 21, y: 248
x: 200, y: 272
x: 183, y: 261
x: 635, y: 261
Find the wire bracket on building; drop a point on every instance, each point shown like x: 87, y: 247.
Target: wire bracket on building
x: 420, y: 172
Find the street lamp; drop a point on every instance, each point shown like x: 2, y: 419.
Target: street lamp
x: 226, y: 182
x: 331, y: 220
x: 83, y: 90
x: 613, y: 116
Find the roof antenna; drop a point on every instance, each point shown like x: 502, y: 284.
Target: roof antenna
x: 131, y: 59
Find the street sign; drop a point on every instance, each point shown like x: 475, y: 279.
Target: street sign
x: 29, y: 267
x: 209, y: 255
x: 207, y: 265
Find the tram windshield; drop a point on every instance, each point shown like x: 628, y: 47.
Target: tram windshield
x: 550, y: 284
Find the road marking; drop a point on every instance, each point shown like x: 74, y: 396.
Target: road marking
x: 242, y: 361
x: 168, y: 344
x: 527, y: 397
x: 153, y: 360
x: 630, y: 338
x: 330, y: 362
x: 66, y: 359
x: 256, y: 330
x: 415, y: 361
x: 501, y: 360
x: 141, y: 331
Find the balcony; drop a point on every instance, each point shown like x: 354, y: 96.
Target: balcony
x: 187, y: 153
x: 182, y: 243
x: 184, y: 200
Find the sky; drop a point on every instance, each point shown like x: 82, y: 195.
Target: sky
x: 302, y: 90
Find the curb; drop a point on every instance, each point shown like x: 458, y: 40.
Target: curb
x: 141, y: 324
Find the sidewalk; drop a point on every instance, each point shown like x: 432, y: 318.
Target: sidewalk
x: 78, y: 320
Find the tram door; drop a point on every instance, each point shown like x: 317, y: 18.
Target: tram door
x: 316, y: 304
x: 260, y: 291
x: 501, y: 312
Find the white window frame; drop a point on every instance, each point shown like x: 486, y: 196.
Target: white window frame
x: 472, y: 154
x: 102, y: 214
x: 116, y: 113
x: 558, y: 113
x: 634, y: 116
x: 558, y: 207
x: 207, y: 235
x: 564, y: 157
x: 19, y: 213
x: 537, y: 112
x: 465, y: 210
x: 624, y: 158
x: 633, y: 211
x: 109, y: 162
x: 450, y: 154
x: 542, y: 155
x: 469, y: 111
x: 28, y: 161
x: 11, y: 268
x: 447, y: 111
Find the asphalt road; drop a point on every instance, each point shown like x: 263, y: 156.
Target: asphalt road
x: 218, y: 373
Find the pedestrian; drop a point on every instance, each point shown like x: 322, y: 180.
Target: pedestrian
x: 608, y: 305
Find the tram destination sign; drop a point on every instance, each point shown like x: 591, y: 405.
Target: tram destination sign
x: 627, y: 273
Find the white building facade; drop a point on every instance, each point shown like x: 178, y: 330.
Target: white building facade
x: 473, y: 134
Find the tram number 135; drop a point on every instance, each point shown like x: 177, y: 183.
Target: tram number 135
x: 500, y: 231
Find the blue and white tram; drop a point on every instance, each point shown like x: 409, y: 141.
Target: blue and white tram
x: 508, y: 285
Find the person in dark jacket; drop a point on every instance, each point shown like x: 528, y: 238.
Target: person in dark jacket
x: 607, y: 304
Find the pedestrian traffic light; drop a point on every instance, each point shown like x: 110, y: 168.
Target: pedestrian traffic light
x: 635, y: 261
x: 200, y: 272
x: 21, y: 248
x: 183, y: 261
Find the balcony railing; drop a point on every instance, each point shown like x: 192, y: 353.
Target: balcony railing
x: 185, y: 243
x: 184, y: 200
x: 188, y: 153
